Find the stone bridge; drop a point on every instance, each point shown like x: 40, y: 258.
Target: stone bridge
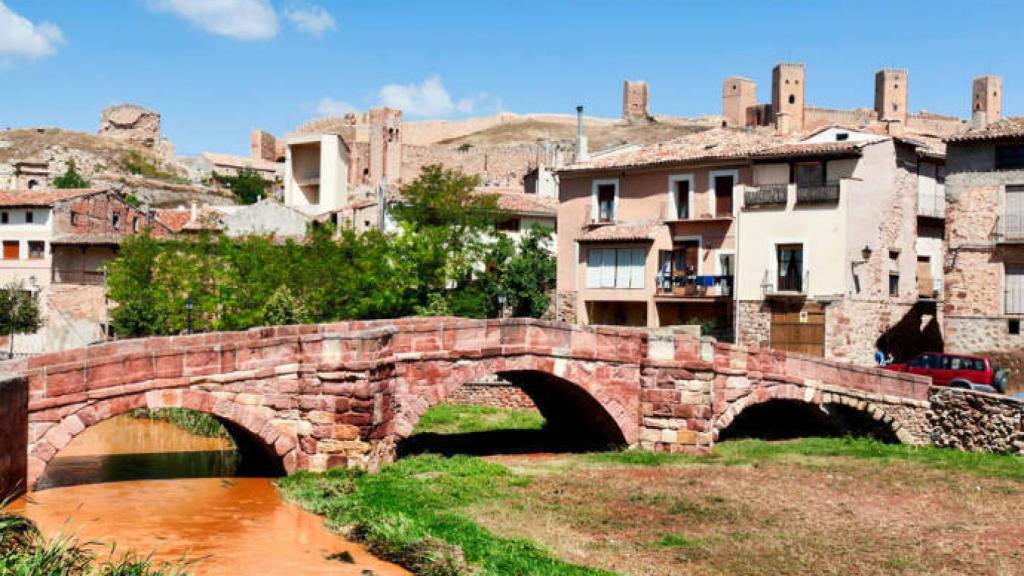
x: 344, y: 394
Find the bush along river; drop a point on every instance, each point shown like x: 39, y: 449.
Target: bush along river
x: 150, y: 485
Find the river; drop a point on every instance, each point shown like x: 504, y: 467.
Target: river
x: 150, y: 486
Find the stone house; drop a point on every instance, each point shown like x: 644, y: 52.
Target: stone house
x: 837, y: 246
x: 647, y: 237
x: 984, y: 279
x: 55, y: 244
x: 208, y: 163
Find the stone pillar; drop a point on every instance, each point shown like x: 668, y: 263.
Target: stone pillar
x: 13, y: 435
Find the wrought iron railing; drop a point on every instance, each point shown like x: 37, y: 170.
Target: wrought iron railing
x: 1010, y: 228
x: 790, y: 284
x: 766, y: 195
x: 823, y: 194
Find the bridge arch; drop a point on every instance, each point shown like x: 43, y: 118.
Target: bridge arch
x: 841, y: 413
x: 585, y: 398
x: 254, y: 435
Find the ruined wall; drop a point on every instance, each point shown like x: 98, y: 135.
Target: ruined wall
x: 975, y: 421
x: 936, y: 124
x: 264, y: 146
x: 496, y: 165
x: 817, y: 117
x: 131, y: 122
x: 13, y: 435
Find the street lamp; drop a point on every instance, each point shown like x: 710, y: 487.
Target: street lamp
x: 188, y: 314
x: 502, y: 299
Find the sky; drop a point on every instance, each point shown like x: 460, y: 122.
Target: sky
x: 215, y: 69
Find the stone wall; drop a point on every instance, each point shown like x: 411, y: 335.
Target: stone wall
x: 564, y: 305
x: 753, y: 323
x: 131, y: 122
x: 494, y: 392
x: 13, y: 435
x: 988, y: 336
x: 496, y: 165
x: 975, y: 421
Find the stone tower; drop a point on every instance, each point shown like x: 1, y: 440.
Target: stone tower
x: 987, y: 97
x: 788, y: 96
x: 739, y: 96
x: 634, y: 100
x: 891, y: 88
x: 385, y: 145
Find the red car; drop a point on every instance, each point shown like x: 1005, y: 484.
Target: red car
x: 956, y: 370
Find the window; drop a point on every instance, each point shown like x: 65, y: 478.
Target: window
x: 115, y: 219
x: 894, y: 285
x: 29, y: 217
x: 894, y: 255
x: 682, y: 192
x: 723, y: 196
x: 616, y: 267
x: 135, y: 224
x: 5, y: 218
x: 1013, y: 289
x: 792, y: 99
x: 74, y: 219
x: 1013, y: 326
x: 11, y: 250
x: 925, y: 361
x: 790, y: 261
x: 810, y: 174
x: 606, y: 202
x: 509, y: 225
x: 36, y: 249
x: 842, y: 136
x: 1009, y: 157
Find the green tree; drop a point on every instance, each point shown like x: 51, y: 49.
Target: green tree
x: 247, y: 186
x: 284, y: 308
x: 529, y: 275
x: 70, y: 178
x: 19, y: 312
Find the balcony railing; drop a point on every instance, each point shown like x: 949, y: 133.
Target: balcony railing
x: 931, y: 205
x: 86, y: 277
x: 824, y: 194
x: 1010, y: 228
x: 694, y: 286
x: 766, y: 195
x: 789, y: 285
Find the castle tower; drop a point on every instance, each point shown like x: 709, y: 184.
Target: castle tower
x: 739, y: 96
x: 385, y: 125
x: 788, y: 95
x: 891, y: 89
x: 634, y: 100
x: 987, y: 97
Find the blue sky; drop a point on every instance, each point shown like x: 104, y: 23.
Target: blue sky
x: 216, y: 68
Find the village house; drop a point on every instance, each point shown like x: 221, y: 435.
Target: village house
x: 984, y: 303
x: 209, y: 163
x: 56, y: 244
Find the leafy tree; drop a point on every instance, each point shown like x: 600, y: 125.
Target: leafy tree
x: 529, y: 275
x: 284, y: 308
x: 19, y: 312
x: 247, y: 186
x: 70, y: 178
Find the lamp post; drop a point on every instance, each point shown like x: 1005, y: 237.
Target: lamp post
x: 188, y: 314
x: 502, y: 299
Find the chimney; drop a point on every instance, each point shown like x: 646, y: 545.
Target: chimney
x: 195, y: 209
x: 582, y: 154
x: 782, y: 122
x: 979, y: 119
x: 894, y: 127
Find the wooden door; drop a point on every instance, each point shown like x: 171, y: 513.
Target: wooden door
x: 798, y: 327
x: 687, y: 256
x: 11, y: 251
x: 925, y: 286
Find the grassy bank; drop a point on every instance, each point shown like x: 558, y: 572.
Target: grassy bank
x: 197, y: 423
x: 24, y: 551
x: 467, y: 419
x: 810, y: 506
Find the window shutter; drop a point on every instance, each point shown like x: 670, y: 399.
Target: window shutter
x: 637, y: 277
x: 1014, y: 286
x: 623, y: 265
x: 594, y: 261
x: 608, y: 269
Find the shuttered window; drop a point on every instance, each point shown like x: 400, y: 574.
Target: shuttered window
x: 1013, y: 216
x: 616, y: 268
x: 1014, y: 289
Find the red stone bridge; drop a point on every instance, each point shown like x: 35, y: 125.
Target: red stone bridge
x: 345, y: 394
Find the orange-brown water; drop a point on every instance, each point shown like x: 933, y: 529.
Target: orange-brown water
x: 229, y: 526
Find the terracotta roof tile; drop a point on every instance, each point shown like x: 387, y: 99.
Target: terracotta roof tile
x: 175, y: 219
x: 797, y: 149
x: 519, y: 202
x: 621, y: 232
x: 43, y: 197
x: 1007, y: 128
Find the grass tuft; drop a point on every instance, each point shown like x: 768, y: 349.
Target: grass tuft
x: 198, y: 423
x: 467, y: 419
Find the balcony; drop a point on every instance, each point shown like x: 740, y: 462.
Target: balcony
x: 790, y: 285
x: 1010, y: 229
x: 766, y: 195
x: 85, y: 277
x: 697, y: 287
x: 931, y: 205
x: 827, y: 193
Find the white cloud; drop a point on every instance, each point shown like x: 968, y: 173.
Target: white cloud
x: 312, y: 20
x: 427, y: 99
x: 238, y: 19
x: 330, y: 107
x: 20, y: 37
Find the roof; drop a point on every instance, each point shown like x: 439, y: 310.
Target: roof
x: 1008, y: 128
x: 519, y: 202
x: 175, y: 218
x: 240, y: 161
x: 622, y: 232
x: 11, y: 198
x: 816, y: 149
x: 90, y: 239
x: 714, y: 144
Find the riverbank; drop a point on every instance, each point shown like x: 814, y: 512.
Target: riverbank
x: 813, y: 506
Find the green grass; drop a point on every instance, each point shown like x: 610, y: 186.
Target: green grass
x: 410, y: 513
x: 24, y: 551
x: 464, y: 419
x: 739, y: 452
x: 198, y: 423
